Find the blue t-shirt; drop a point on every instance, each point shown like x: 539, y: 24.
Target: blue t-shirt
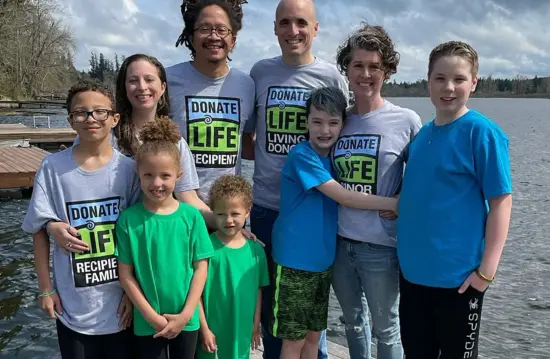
x: 452, y: 171
x: 304, y: 234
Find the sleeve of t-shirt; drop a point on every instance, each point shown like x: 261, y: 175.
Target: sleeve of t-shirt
x: 41, y: 208
x: 264, y: 273
x: 416, y: 125
x: 189, y: 180
x: 135, y: 190
x: 202, y: 245
x: 250, y: 125
x: 343, y: 85
x: 492, y: 163
x: 123, y: 248
x: 309, y: 169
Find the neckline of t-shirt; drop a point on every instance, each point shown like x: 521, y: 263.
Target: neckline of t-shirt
x: 160, y: 215
x: 299, y: 67
x: 107, y: 166
x: 225, y: 246
x: 451, y: 124
x: 206, y: 78
x: 385, y: 105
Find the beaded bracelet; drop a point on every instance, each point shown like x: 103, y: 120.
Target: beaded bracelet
x: 47, y: 294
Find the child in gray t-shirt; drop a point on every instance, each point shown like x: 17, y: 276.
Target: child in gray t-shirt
x: 86, y: 186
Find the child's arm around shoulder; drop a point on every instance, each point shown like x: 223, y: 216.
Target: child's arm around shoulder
x: 309, y: 171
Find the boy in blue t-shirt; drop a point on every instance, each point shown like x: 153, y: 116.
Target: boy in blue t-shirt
x: 304, y: 234
x: 454, y: 214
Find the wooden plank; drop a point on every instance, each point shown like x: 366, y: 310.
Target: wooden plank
x: 16, y: 180
x: 11, y: 125
x: 33, y: 155
x: 13, y: 157
x: 38, y: 135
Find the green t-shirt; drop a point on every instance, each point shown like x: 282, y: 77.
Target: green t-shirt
x: 162, y: 249
x: 235, y: 276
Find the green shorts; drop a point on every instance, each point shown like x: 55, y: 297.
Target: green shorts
x: 300, y: 302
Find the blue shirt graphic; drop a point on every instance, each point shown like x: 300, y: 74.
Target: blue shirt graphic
x: 304, y: 234
x: 452, y: 171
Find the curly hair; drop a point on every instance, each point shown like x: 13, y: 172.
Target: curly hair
x: 231, y: 186
x: 88, y: 85
x: 125, y: 131
x: 454, y: 48
x: 191, y: 9
x: 369, y: 38
x: 159, y: 136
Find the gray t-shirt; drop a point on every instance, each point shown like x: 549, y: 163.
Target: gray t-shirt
x: 189, y: 180
x: 369, y: 157
x: 211, y: 114
x: 281, y: 94
x: 91, y: 202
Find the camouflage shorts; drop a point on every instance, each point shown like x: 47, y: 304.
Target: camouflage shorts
x: 299, y: 303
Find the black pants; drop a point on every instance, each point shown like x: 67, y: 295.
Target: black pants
x: 75, y: 345
x: 439, y: 322
x: 181, y: 347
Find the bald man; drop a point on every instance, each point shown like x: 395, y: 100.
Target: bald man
x: 283, y: 84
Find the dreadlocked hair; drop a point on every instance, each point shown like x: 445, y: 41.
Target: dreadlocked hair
x: 159, y: 136
x: 191, y: 9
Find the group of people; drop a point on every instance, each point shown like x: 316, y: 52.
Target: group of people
x: 147, y: 210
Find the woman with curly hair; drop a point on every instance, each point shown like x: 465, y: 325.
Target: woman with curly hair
x: 211, y: 102
x: 369, y: 157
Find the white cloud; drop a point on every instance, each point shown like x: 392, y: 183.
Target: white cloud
x: 506, y: 34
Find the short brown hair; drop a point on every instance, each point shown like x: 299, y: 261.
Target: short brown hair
x: 89, y: 85
x: 230, y: 186
x: 454, y: 48
x: 369, y: 38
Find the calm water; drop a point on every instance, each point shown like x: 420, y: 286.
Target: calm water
x: 516, y: 320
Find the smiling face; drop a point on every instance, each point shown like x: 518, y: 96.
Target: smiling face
x: 323, y: 129
x: 144, y: 87
x: 210, y: 46
x: 366, y: 73
x: 90, y: 129
x: 158, y: 173
x: 450, y: 83
x: 295, y: 27
x: 230, y: 214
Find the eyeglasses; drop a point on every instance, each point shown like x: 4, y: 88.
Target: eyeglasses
x: 222, y: 31
x: 98, y: 115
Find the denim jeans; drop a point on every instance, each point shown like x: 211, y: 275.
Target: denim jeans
x: 369, y: 269
x: 261, y: 224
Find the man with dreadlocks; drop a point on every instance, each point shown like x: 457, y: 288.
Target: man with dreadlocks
x: 283, y: 84
x: 211, y: 102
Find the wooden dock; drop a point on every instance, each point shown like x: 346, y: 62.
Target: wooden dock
x: 18, y: 166
x: 33, y: 104
x: 49, y: 139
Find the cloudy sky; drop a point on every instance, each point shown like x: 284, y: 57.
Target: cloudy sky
x: 509, y: 35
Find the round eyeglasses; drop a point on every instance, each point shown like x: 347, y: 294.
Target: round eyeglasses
x: 222, y: 31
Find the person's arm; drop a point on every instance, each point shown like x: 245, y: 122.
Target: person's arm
x: 496, y: 233
x: 49, y: 300
x: 354, y: 199
x: 192, y: 198
x: 248, y: 143
x: 256, y: 331
x: 208, y: 338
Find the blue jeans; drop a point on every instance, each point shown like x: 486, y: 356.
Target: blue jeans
x: 369, y: 269
x: 261, y: 224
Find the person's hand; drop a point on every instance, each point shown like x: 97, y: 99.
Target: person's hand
x: 475, y: 282
x: 125, y: 312
x: 51, y: 305
x: 388, y: 214
x: 251, y: 236
x: 175, y: 325
x: 159, y: 323
x: 67, y: 237
x: 208, y: 341
x: 256, y: 338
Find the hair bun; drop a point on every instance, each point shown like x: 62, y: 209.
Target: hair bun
x: 162, y: 129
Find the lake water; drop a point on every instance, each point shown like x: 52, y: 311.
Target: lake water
x: 516, y: 317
